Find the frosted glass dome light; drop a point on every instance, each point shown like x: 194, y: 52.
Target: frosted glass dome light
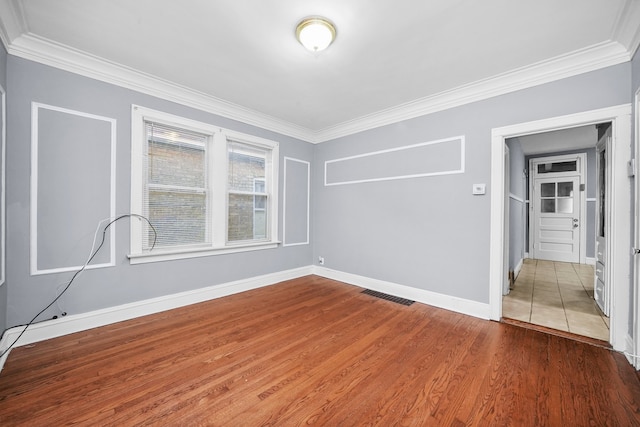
x: 315, y: 33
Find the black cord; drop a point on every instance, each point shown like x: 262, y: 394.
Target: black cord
x: 104, y: 233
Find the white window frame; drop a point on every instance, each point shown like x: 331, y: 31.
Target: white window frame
x: 217, y: 175
x: 255, y: 208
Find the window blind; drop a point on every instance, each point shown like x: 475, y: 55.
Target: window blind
x: 176, y: 193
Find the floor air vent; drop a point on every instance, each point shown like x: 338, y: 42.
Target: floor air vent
x: 388, y: 297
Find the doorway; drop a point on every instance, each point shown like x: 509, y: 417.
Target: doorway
x: 618, y: 208
x: 557, y: 203
x: 554, y: 287
x: 557, y: 295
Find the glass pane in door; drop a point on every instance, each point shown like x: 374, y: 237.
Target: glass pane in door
x: 565, y: 189
x: 548, y: 205
x: 565, y: 205
x: 548, y: 189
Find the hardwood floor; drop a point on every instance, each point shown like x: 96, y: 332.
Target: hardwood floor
x: 315, y: 351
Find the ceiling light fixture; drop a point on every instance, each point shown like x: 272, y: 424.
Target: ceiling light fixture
x: 315, y: 33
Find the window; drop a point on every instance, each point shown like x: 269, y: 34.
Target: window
x: 205, y: 190
x: 176, y: 189
x: 556, y: 167
x: 556, y: 197
x: 259, y: 209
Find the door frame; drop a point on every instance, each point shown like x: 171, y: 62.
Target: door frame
x: 635, y: 360
x: 582, y: 170
x: 619, y: 209
x: 601, y: 147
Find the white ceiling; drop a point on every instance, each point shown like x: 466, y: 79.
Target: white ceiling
x: 577, y: 138
x: 391, y: 60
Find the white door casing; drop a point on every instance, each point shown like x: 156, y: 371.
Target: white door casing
x: 505, y: 273
x: 635, y: 360
x: 601, y: 289
x: 619, y: 208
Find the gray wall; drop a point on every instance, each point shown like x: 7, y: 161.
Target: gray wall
x: 431, y: 233
x: 105, y: 287
x: 3, y: 288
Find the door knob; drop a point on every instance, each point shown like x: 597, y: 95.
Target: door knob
x: 575, y: 219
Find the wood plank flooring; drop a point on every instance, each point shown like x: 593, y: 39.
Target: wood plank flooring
x: 312, y: 351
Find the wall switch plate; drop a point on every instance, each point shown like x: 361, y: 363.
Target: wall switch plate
x: 479, y: 189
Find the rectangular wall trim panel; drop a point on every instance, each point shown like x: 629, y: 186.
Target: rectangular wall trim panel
x: 440, y: 157
x: 73, y: 161
x: 296, y: 202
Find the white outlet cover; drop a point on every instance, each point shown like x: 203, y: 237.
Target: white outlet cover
x: 479, y: 189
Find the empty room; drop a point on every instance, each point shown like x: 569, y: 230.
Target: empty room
x: 335, y: 213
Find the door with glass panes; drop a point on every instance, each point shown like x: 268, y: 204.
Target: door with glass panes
x: 556, y: 215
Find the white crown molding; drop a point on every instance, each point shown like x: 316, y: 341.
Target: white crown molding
x: 578, y: 62
x: 592, y: 58
x: 626, y: 28
x: 46, y: 52
x: 12, y: 22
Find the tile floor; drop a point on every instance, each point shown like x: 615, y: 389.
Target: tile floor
x: 557, y: 295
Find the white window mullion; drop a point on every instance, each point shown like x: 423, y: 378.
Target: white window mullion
x: 138, y: 152
x: 272, y: 188
x: 218, y: 185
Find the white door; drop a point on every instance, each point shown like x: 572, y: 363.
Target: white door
x: 556, y: 215
x: 600, y: 288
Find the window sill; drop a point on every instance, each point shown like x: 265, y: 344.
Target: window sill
x: 170, y: 255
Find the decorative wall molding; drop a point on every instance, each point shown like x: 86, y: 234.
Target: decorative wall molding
x: 35, y: 137
x: 447, y: 302
x: 285, y: 241
x: 456, y: 168
x: 84, y: 321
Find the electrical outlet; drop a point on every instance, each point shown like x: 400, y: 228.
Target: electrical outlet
x: 321, y: 260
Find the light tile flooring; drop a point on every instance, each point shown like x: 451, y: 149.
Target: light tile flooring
x: 557, y: 295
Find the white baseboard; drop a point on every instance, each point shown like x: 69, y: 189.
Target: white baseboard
x: 517, y: 270
x: 630, y: 351
x: 590, y: 261
x: 459, y: 305
x: 93, y: 319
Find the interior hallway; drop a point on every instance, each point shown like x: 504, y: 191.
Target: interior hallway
x: 557, y: 295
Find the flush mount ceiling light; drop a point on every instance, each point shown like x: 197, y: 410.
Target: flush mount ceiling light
x: 315, y: 33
